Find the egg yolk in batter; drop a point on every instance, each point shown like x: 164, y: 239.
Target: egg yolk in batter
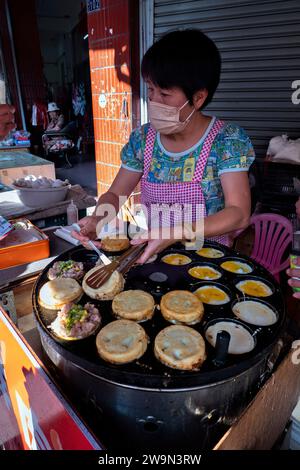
x: 204, y: 272
x: 212, y: 295
x: 176, y: 259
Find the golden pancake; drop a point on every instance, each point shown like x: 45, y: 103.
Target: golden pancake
x: 115, y: 244
x: 254, y: 288
x: 204, y: 272
x: 236, y: 267
x: 180, y: 347
x: 107, y: 291
x: 212, y: 295
x: 181, y: 306
x: 121, y: 341
x: 241, y: 340
x: 176, y: 259
x: 210, y: 253
x: 58, y: 292
x: 134, y: 305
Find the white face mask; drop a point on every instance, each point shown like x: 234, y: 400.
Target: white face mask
x: 165, y: 119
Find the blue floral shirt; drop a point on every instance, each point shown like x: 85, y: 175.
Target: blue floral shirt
x: 231, y: 151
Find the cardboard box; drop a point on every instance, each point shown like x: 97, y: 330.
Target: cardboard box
x: 25, y: 253
x: 17, y: 164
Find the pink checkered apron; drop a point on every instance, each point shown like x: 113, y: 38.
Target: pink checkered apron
x: 169, y: 204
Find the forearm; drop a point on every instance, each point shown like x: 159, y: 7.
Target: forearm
x: 108, y: 206
x: 110, y: 202
x: 226, y: 221
x: 108, y: 199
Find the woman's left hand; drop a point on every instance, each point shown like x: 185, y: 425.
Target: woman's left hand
x: 156, y: 244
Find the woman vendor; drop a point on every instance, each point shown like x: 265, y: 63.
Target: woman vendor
x: 183, y: 156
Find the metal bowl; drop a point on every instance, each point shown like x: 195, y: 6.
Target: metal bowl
x: 41, y: 197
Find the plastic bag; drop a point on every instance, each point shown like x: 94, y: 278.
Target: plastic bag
x: 284, y: 150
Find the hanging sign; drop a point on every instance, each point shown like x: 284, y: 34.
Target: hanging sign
x: 102, y: 101
x: 93, y: 5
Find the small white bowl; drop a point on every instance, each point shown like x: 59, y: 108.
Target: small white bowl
x: 41, y: 197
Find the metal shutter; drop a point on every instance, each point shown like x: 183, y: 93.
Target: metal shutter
x: 260, y: 45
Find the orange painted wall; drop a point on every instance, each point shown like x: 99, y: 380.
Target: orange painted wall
x: 113, y: 60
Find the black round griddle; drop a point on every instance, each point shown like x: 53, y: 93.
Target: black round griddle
x: 157, y: 278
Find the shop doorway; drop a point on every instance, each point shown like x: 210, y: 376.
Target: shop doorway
x: 62, y: 26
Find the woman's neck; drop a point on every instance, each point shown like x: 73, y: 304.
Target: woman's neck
x: 189, y: 136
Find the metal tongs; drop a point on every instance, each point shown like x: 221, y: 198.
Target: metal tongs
x: 122, y: 265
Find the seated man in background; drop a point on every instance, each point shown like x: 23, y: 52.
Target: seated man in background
x: 295, y: 273
x: 7, y: 120
x: 56, y: 118
x: 56, y: 123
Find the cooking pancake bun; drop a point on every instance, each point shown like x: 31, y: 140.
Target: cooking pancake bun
x: 181, y: 306
x: 121, y: 341
x: 208, y: 252
x: 255, y: 313
x: 241, y: 340
x: 237, y: 267
x: 212, y: 295
x: 180, y: 347
x: 115, y: 244
x: 134, y: 305
x: 204, y: 272
x: 176, y: 259
x: 254, y: 287
x: 54, y: 294
x: 107, y: 291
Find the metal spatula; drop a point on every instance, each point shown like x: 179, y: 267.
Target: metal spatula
x: 105, y: 260
x: 122, y: 265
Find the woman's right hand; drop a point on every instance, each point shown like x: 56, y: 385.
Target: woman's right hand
x: 88, y: 230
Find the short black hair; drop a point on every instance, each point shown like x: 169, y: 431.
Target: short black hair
x: 187, y: 59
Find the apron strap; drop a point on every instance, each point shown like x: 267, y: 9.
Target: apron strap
x: 202, y: 160
x: 205, y: 151
x: 150, y: 139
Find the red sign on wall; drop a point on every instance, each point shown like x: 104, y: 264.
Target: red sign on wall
x: 33, y: 414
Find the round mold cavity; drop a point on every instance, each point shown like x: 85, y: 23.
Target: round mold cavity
x: 255, y: 312
x: 238, y: 261
x: 215, y: 287
x: 185, y: 260
x: 212, y: 267
x: 242, y: 340
x: 252, y: 286
x: 208, y: 250
x: 158, y: 277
